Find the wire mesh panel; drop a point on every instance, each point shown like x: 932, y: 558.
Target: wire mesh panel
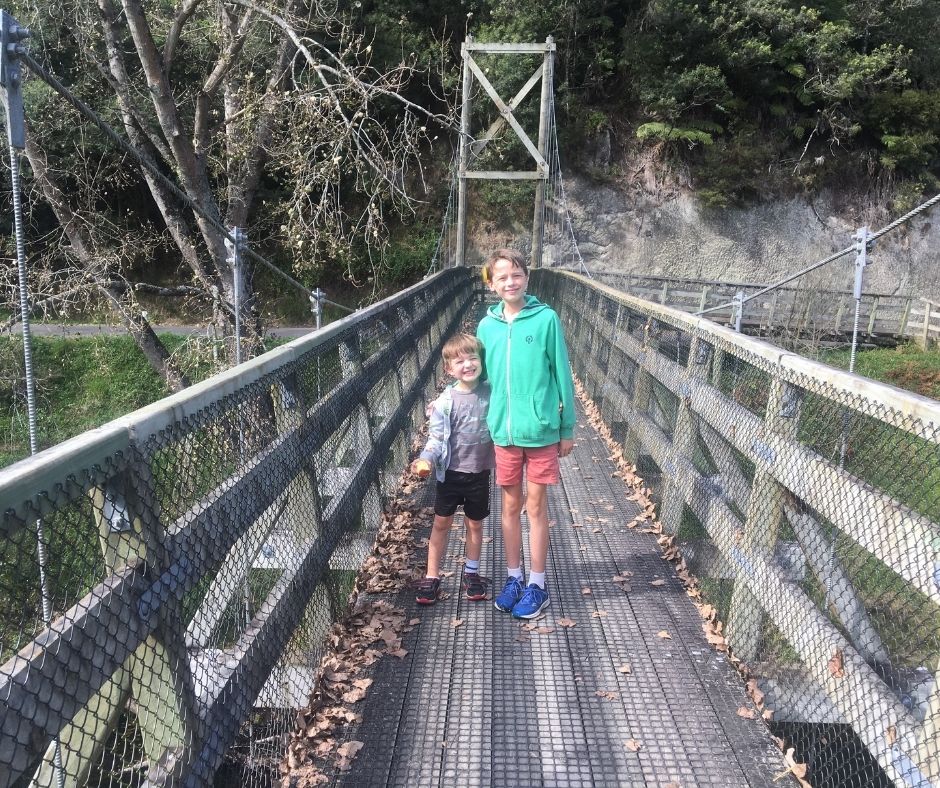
x: 166, y: 580
x: 807, y: 501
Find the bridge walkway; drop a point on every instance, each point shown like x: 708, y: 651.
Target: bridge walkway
x: 490, y: 702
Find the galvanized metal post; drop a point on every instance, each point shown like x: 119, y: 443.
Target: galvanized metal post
x: 545, y: 121
x: 464, y: 157
x: 234, y: 247
x: 317, y: 297
x: 861, y: 260
x: 11, y: 34
x: 738, y: 310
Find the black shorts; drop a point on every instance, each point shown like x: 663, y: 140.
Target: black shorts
x: 472, y: 490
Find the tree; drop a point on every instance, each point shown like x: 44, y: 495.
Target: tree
x: 270, y: 117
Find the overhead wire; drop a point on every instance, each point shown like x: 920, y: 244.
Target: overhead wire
x: 831, y: 258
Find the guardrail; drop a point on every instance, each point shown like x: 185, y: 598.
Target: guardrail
x: 168, y: 576
x: 797, y: 310
x: 806, y: 500
x: 925, y: 322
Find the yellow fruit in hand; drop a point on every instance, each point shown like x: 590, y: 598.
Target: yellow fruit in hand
x: 423, y: 468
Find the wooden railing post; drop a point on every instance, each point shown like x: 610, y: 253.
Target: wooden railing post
x: 362, y: 435
x: 872, y: 316
x: 762, y: 522
x: 925, y: 331
x: 642, y: 389
x: 905, y: 316
x: 157, y: 675
x: 683, y: 438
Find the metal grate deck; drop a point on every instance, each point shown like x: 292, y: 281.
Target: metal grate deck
x: 489, y: 704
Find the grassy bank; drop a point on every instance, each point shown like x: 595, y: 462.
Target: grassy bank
x: 80, y: 384
x: 906, y: 366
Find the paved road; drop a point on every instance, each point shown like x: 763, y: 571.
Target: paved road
x: 96, y: 329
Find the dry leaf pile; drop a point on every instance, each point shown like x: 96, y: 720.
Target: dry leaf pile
x: 711, y: 624
x: 373, y: 628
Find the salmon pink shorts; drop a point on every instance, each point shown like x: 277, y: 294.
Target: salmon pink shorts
x: 540, y: 463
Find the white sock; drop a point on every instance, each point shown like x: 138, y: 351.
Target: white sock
x: 471, y: 566
x: 538, y: 578
x: 516, y: 573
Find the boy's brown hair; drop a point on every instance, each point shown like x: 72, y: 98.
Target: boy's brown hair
x: 465, y: 344
x: 514, y: 257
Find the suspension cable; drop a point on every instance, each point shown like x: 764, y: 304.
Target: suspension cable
x: 561, y: 188
x: 871, y: 238
x: 146, y: 162
x: 445, y: 224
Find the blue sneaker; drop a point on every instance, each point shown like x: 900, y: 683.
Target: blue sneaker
x: 511, y: 593
x: 533, y: 601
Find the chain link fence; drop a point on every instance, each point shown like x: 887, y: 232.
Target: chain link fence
x: 806, y: 501
x: 166, y: 580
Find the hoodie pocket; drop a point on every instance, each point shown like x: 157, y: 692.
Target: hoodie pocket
x: 546, y: 412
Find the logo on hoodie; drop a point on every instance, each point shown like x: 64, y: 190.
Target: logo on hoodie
x: 529, y: 339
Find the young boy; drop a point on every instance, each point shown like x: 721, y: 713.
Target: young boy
x: 460, y: 450
x: 531, y: 419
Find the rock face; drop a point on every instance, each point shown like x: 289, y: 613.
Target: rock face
x: 670, y: 234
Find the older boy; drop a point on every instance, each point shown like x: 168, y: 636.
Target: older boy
x: 531, y: 418
x: 460, y: 450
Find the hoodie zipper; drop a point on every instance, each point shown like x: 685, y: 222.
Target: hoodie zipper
x: 508, y: 384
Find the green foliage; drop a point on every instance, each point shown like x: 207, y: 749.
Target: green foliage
x: 503, y: 201
x: 83, y: 383
x: 408, y: 255
x: 80, y: 384
x: 661, y: 131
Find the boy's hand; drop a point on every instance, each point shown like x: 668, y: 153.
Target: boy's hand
x: 421, y: 468
x: 565, y: 445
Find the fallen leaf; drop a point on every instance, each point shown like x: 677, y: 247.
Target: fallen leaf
x: 597, y: 530
x: 891, y: 734
x: 456, y: 622
x: 566, y: 622
x: 349, y: 749
x: 625, y: 668
x: 836, y: 664
x: 414, y: 621
x: 607, y: 694
x: 354, y: 695
x: 659, y: 582
x: 362, y: 683
x: 586, y: 591
x: 633, y: 745
x: 400, y: 653
x: 545, y: 630
x: 599, y: 614
x: 754, y: 691
x: 664, y: 635
x: 747, y: 713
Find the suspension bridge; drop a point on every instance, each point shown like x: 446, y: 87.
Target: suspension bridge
x: 744, y: 558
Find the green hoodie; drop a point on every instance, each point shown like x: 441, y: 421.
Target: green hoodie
x: 526, y: 364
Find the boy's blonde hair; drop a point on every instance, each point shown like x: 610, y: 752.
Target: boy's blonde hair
x: 514, y: 257
x: 465, y: 344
